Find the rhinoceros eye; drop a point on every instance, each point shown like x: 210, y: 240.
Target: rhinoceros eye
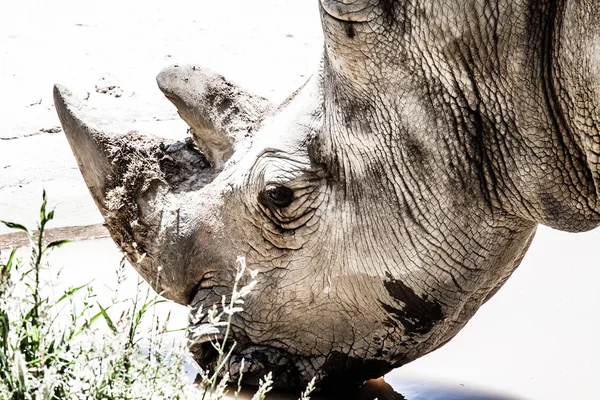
x: 278, y: 195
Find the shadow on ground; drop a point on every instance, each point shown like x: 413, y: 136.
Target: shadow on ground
x: 382, y: 390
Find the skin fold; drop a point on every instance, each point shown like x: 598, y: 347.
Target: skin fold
x: 383, y: 202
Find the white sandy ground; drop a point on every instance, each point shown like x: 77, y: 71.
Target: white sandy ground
x: 538, y: 338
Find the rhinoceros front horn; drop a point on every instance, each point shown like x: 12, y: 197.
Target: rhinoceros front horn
x: 116, y: 165
x: 88, y: 143
x: 133, y: 178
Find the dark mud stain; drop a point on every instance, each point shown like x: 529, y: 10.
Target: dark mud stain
x: 182, y: 164
x: 418, y: 315
x: 553, y: 207
x: 389, y: 10
x: 349, y: 28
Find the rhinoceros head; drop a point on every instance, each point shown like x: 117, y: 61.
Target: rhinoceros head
x: 381, y: 204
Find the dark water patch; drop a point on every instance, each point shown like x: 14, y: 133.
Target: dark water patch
x: 394, y: 389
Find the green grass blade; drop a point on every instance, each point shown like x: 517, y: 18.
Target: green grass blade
x: 146, y: 306
x: 13, y: 225
x: 4, y: 330
x: 108, y: 320
x: 43, y: 207
x: 71, y: 292
x: 6, y: 268
x: 58, y: 243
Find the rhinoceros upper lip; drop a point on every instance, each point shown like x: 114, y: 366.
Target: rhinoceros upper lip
x: 348, y: 10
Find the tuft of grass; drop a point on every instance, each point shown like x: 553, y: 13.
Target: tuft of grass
x: 71, y: 346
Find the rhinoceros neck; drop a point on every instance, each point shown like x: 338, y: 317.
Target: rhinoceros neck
x: 409, y: 197
x: 519, y: 82
x: 573, y: 76
x: 500, y: 91
x: 448, y: 151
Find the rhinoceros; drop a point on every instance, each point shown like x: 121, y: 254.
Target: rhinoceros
x: 384, y: 201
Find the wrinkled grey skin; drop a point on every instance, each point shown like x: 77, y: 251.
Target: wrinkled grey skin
x: 418, y: 161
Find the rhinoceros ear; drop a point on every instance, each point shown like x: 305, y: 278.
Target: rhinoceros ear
x: 221, y: 115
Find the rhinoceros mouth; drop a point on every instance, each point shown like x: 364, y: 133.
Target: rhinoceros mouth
x: 240, y: 354
x: 202, y: 339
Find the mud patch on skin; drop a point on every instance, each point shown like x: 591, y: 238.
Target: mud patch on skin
x: 349, y: 28
x: 184, y: 166
x: 290, y: 370
x: 417, y: 154
x: 554, y: 208
x: 389, y: 11
x: 262, y: 359
x: 142, y: 168
x: 418, y: 315
x: 135, y: 173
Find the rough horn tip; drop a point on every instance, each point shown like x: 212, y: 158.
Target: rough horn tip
x: 167, y: 76
x: 61, y: 89
x: 185, y: 78
x: 65, y: 102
